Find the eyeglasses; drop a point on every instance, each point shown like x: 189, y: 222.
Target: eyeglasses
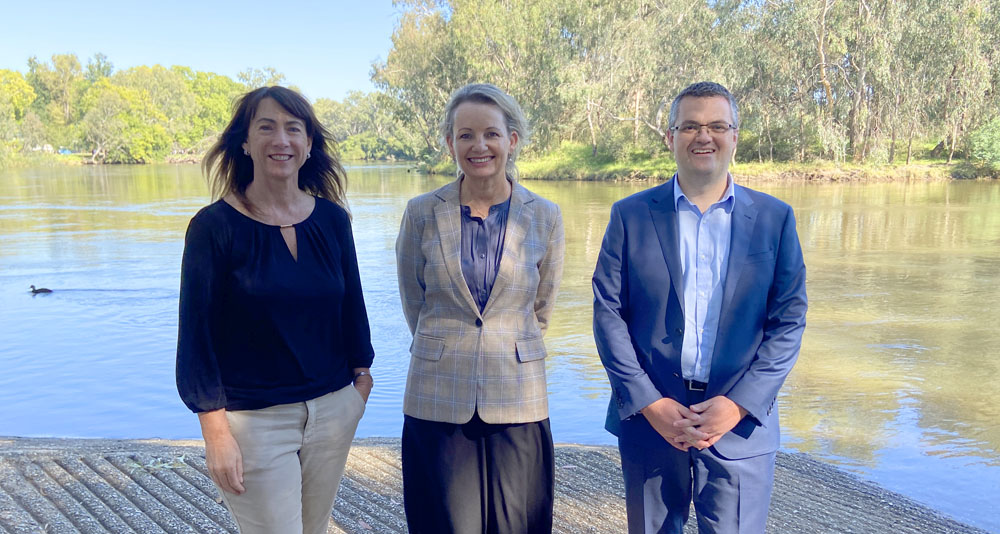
x: 693, y: 128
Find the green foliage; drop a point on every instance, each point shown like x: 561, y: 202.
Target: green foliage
x: 137, y: 115
x: 576, y: 161
x: 984, y: 145
x: 368, y: 146
x: 365, y: 127
x: 816, y: 80
x: 168, y: 94
x: 254, y: 78
x: 16, y: 94
x: 124, y: 125
x: 847, y: 82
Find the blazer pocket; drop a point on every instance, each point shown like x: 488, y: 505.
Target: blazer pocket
x: 426, y: 347
x: 757, y: 257
x: 529, y: 349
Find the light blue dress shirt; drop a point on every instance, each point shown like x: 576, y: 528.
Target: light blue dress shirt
x: 704, y: 241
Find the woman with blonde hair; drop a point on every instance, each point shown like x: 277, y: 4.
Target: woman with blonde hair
x: 274, y: 350
x: 479, y: 262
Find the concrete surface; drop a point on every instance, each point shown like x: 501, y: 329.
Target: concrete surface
x: 154, y: 486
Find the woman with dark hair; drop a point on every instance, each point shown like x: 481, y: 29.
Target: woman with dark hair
x: 479, y: 263
x: 274, y: 348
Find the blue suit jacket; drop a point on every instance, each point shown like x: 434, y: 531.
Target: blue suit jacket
x: 639, y: 316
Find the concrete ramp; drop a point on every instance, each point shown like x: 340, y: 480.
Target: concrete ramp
x: 155, y: 486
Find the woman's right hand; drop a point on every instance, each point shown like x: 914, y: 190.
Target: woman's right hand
x: 222, y: 454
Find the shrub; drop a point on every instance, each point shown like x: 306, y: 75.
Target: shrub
x: 984, y: 145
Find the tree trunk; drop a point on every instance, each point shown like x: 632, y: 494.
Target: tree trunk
x: 954, y: 141
x: 635, y: 124
x: 802, y: 135
x: 892, y: 145
x: 909, y: 147
x: 590, y: 124
x: 770, y: 141
x: 854, y: 121
x: 821, y: 48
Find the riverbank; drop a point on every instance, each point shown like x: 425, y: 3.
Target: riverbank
x: 577, y: 162
x: 145, y: 486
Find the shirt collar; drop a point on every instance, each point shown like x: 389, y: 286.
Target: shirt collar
x: 726, y: 202
x: 500, y: 209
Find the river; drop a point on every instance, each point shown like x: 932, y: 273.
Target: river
x: 896, y: 382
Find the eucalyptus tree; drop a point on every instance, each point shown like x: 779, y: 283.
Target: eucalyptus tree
x: 214, y: 99
x: 253, y: 78
x: 365, y: 128
x: 521, y: 46
x: 98, y: 66
x: 123, y: 124
x: 16, y: 96
x: 58, y: 86
x: 16, y: 93
x: 963, y: 62
x: 422, y: 68
x: 168, y: 92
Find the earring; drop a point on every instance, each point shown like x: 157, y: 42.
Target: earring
x: 245, y: 152
x: 308, y: 155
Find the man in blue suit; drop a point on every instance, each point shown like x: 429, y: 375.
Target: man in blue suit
x: 699, y: 309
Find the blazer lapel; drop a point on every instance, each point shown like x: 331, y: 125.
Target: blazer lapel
x: 518, y: 222
x: 448, y: 216
x: 664, y: 213
x: 743, y: 220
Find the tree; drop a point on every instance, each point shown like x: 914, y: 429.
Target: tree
x: 57, y: 85
x: 421, y: 70
x: 985, y: 145
x: 253, y: 78
x: 15, y: 93
x: 214, y: 98
x: 123, y: 124
x: 98, y: 67
x: 168, y: 92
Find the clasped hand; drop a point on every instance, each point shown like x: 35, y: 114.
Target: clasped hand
x: 698, y: 426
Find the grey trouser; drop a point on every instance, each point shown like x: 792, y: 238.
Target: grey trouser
x: 293, y: 458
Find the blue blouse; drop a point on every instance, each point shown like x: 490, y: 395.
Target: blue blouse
x: 258, y: 327
x: 482, y: 248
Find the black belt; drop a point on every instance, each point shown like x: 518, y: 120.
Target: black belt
x: 694, y: 385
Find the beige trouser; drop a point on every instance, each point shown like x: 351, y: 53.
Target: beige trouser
x: 293, y: 458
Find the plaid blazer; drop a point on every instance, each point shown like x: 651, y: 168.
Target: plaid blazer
x: 463, y: 361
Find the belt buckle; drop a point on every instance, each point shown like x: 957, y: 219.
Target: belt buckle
x: 694, y: 385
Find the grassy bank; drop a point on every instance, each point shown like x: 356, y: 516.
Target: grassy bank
x: 18, y: 159
x: 574, y: 161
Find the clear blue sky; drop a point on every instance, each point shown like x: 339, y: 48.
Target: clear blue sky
x: 326, y: 48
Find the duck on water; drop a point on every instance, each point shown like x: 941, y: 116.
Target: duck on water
x: 35, y: 291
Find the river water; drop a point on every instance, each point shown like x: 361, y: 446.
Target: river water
x: 897, y: 380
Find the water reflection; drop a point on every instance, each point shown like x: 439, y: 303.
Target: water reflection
x: 896, y: 379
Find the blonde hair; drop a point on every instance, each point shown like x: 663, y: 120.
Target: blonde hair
x: 487, y: 93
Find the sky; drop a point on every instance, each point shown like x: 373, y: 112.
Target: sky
x: 325, y: 48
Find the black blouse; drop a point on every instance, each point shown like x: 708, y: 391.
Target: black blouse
x: 258, y: 327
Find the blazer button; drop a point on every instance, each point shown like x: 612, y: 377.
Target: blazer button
x: 479, y: 322
x: 679, y: 331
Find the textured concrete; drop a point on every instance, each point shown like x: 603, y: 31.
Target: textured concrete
x: 152, y: 486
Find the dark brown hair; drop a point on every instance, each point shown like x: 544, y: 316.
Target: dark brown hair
x: 703, y: 90
x: 229, y: 170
